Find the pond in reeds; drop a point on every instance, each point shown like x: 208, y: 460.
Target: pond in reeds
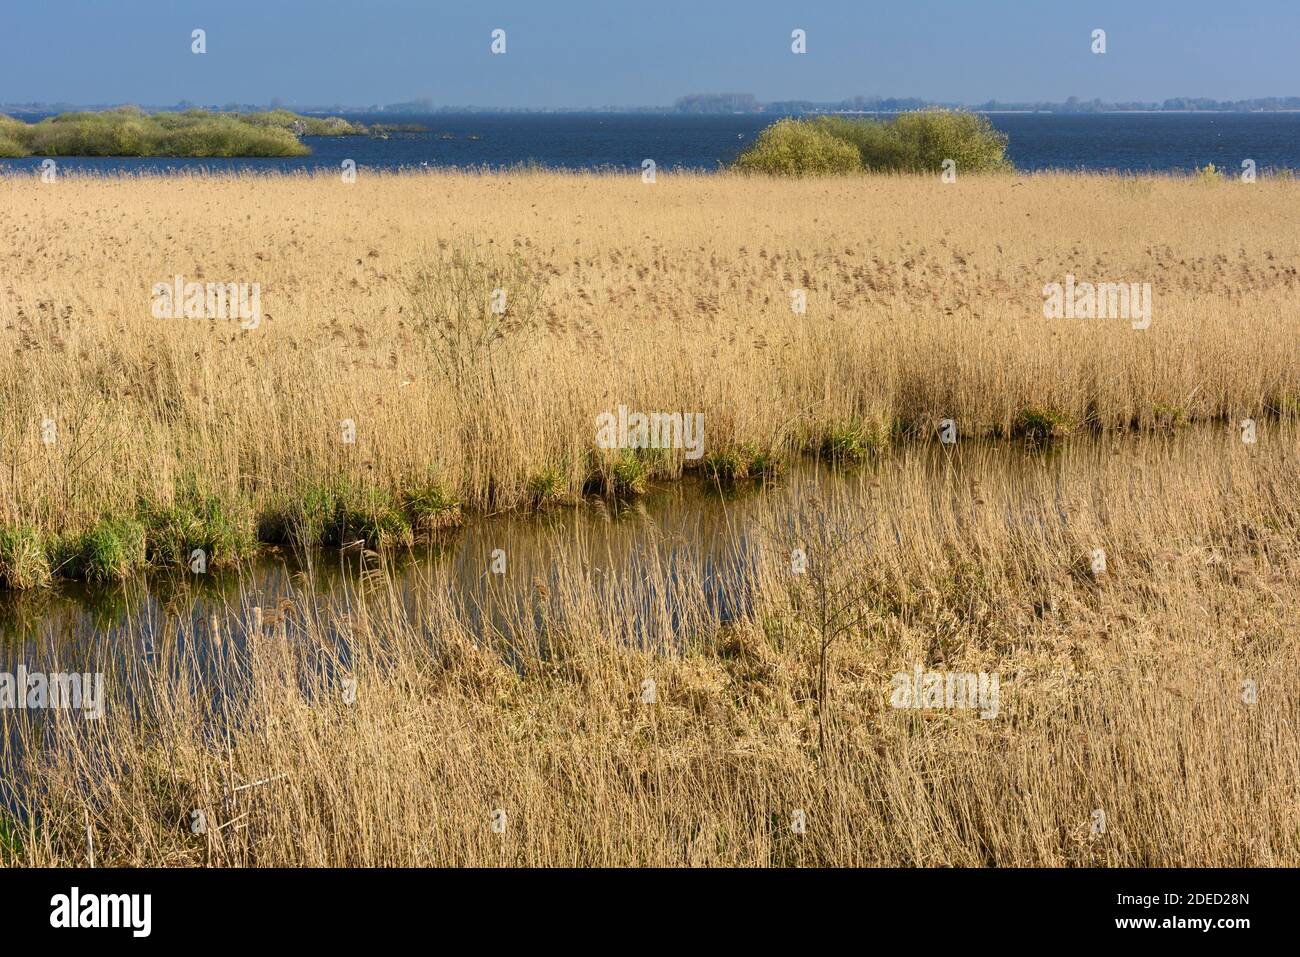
x: 669, y: 565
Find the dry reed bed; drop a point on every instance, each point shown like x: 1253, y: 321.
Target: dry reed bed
x: 1120, y: 692
x: 924, y: 302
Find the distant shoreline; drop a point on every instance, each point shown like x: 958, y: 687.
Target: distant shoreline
x: 710, y: 105
x: 1142, y: 143
x: 194, y: 134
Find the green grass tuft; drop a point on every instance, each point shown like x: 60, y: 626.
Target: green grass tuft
x: 1042, y: 425
x: 225, y: 531
x: 430, y: 507
x: 621, y: 475
x: 109, y: 552
x: 850, y: 442
x: 547, y: 487
x: 300, y: 519
x: 11, y: 839
x: 369, y: 516
x: 741, y: 462
x: 23, y: 561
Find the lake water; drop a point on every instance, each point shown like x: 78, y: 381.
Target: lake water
x: 1129, y: 142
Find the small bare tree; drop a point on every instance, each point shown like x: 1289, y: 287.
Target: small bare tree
x: 467, y: 302
x: 821, y: 544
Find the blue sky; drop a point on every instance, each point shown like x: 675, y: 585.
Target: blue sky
x: 587, y: 53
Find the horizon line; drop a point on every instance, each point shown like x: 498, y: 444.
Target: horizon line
x: 716, y: 103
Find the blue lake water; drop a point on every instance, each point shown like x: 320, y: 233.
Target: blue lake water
x: 1129, y: 142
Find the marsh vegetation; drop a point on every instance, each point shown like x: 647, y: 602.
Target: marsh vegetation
x: 129, y: 131
x: 918, y: 142
x: 384, y: 724
x: 209, y: 435
x: 1121, y: 688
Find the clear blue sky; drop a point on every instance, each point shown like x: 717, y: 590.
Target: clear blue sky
x: 607, y: 52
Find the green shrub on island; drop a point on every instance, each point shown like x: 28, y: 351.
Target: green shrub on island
x: 12, y: 137
x: 129, y: 131
x: 916, y: 142
x: 799, y: 148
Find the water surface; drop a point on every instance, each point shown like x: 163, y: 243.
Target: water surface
x: 1128, y: 142
x: 655, y: 562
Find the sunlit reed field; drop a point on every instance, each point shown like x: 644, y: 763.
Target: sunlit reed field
x: 1159, y: 688
x: 924, y: 302
x: 1122, y: 693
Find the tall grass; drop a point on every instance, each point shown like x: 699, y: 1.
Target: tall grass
x: 1121, y: 693
x: 126, y: 439
x: 924, y: 303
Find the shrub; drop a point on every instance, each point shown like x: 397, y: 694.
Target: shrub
x: 15, y: 138
x: 916, y: 142
x: 1209, y: 174
x: 928, y: 137
x: 798, y: 148
x: 303, y: 125
x: 12, y: 149
x: 880, y: 149
x: 127, y: 131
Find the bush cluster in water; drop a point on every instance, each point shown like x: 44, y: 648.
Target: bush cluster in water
x: 128, y: 131
x: 909, y: 143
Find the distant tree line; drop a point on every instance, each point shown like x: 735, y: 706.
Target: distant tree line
x: 746, y: 103
x: 736, y: 103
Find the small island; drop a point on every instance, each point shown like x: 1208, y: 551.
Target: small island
x: 130, y: 131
